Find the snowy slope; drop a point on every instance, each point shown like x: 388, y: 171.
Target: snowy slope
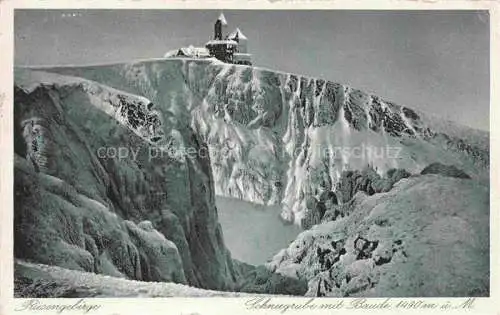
x: 428, y: 236
x: 278, y: 138
x: 52, y: 281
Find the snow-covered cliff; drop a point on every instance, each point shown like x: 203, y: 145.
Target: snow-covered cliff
x: 280, y: 138
x: 80, y: 207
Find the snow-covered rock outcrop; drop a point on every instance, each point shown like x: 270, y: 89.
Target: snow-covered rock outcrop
x: 280, y: 138
x: 428, y: 236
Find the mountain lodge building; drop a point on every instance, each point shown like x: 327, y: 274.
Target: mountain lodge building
x: 229, y: 48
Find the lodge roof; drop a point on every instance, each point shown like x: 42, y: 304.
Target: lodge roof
x: 237, y: 33
x: 191, y: 51
x: 221, y: 42
x: 222, y: 19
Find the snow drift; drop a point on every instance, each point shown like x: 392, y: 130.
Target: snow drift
x: 35, y: 280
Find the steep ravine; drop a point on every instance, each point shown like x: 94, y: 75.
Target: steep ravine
x: 103, y: 184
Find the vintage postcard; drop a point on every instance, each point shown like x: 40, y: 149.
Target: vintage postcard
x: 251, y: 157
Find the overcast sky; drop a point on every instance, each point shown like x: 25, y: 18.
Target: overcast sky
x: 436, y: 61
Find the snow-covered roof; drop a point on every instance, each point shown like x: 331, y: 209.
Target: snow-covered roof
x: 195, y: 51
x: 222, y: 19
x: 237, y: 32
x: 221, y: 41
x: 188, y: 51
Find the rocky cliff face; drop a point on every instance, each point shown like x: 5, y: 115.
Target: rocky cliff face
x: 281, y: 138
x: 145, y: 216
